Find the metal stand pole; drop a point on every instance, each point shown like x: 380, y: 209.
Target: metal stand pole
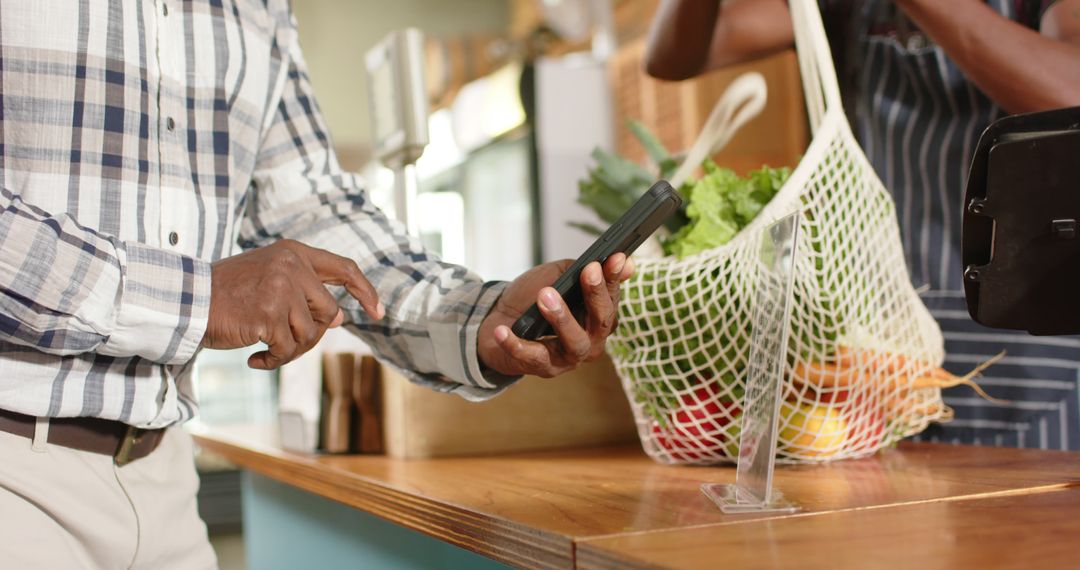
x: 406, y: 186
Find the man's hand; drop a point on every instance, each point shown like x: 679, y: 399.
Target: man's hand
x: 500, y: 350
x: 277, y: 295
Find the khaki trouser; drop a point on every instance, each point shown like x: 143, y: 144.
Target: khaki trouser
x: 61, y: 508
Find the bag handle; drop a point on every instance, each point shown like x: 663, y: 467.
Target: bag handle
x: 743, y: 100
x: 820, y: 85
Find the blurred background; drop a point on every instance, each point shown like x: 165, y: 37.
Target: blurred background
x: 518, y: 94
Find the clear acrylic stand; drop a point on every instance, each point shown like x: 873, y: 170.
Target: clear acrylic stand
x: 753, y: 489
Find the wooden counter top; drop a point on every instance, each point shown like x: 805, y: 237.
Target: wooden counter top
x: 1040, y: 530
x: 532, y: 509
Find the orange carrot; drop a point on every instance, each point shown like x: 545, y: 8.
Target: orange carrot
x: 968, y: 380
x: 848, y: 365
x: 823, y: 375
x: 851, y: 365
x: 881, y: 362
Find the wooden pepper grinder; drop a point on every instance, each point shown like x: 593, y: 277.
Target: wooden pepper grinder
x: 337, y: 401
x: 367, y: 393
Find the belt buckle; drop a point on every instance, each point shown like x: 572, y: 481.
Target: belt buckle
x: 123, y: 453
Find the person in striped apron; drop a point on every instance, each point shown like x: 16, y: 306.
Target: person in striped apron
x: 922, y: 79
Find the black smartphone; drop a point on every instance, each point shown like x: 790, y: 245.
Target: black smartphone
x: 624, y: 236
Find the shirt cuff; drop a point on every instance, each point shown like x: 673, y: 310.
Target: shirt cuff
x: 163, y: 306
x: 456, y: 347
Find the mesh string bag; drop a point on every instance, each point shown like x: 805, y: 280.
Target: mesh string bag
x: 859, y: 340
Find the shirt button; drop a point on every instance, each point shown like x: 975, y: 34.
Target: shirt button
x: 170, y: 124
x: 174, y: 238
x: 164, y: 9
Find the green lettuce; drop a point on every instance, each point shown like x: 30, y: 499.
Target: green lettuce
x: 721, y: 204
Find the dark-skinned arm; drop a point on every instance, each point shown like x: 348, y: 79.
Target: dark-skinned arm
x: 690, y: 37
x: 1018, y: 68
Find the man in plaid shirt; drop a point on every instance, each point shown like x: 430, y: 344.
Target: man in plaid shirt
x: 139, y: 141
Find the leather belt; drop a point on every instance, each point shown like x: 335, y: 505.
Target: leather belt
x: 123, y: 442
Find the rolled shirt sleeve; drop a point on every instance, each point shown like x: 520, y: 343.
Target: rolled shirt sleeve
x: 300, y: 192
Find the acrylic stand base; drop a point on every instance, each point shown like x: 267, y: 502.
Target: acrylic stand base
x: 726, y: 496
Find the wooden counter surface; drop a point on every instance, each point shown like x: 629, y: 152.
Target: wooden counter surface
x: 1040, y: 530
x: 532, y: 509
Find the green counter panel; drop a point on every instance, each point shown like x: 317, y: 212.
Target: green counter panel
x: 289, y: 529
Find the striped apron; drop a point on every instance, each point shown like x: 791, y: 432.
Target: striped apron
x: 919, y: 119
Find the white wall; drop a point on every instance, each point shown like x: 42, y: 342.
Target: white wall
x: 574, y: 116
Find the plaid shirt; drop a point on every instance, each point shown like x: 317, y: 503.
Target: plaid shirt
x: 139, y: 141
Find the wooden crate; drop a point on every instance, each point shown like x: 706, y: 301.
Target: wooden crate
x: 583, y: 408
x: 676, y: 111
